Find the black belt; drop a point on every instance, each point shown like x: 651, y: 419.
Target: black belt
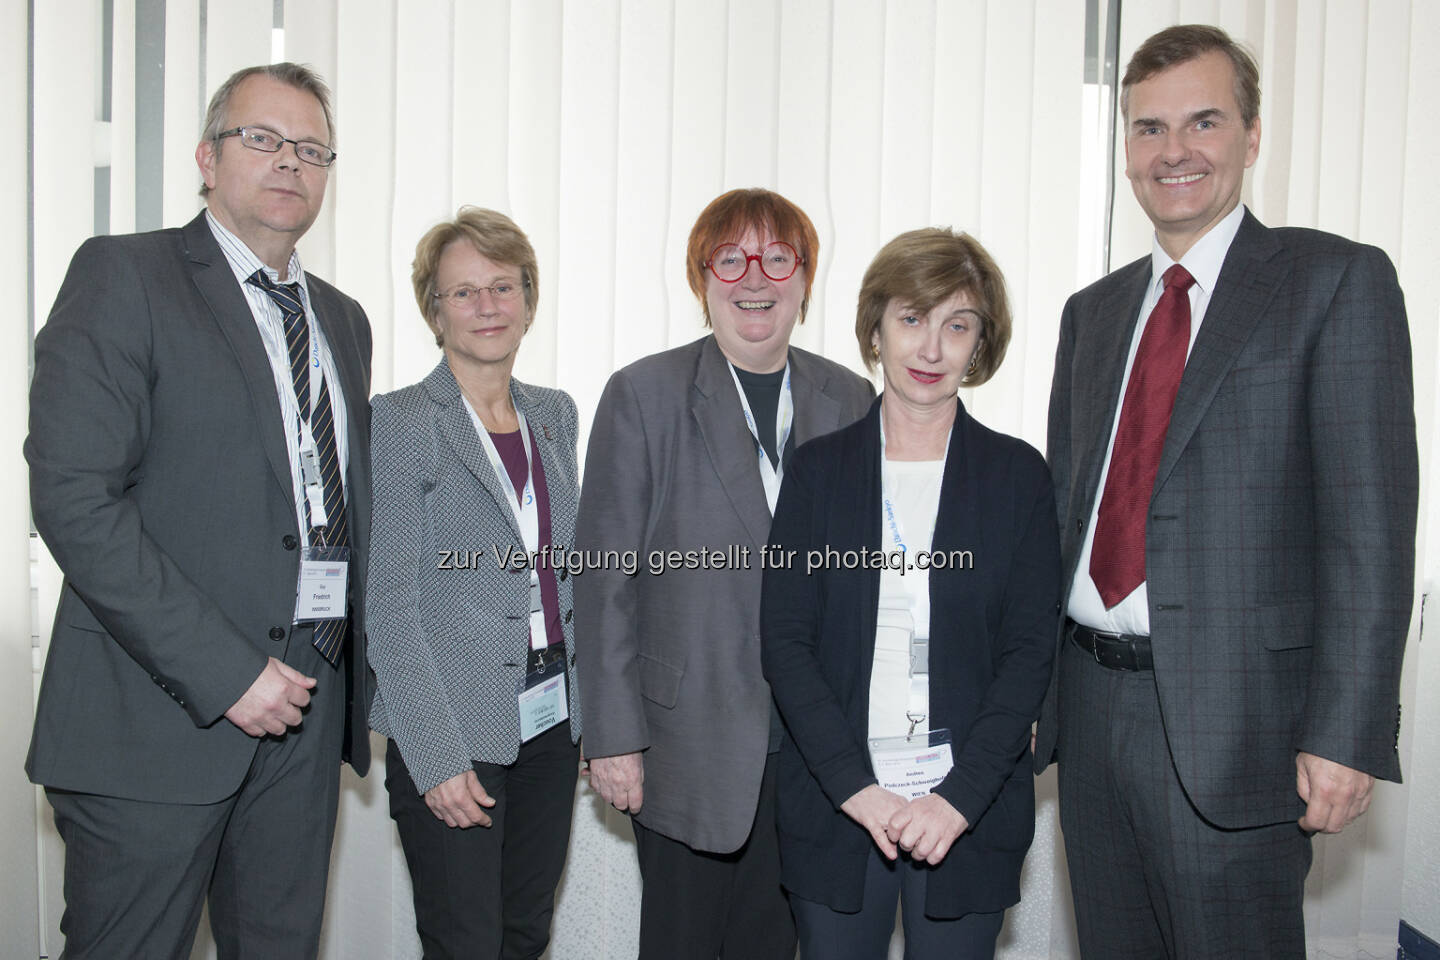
x: 1117, y: 651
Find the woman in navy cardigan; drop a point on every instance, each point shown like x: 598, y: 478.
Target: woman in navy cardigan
x: 870, y: 654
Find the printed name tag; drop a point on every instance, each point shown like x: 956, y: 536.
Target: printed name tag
x: 324, y: 579
x: 543, y: 704
x: 911, y: 766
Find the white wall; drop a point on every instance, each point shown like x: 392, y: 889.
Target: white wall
x: 18, y: 884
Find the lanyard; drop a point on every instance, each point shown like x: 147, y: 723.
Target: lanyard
x: 522, y: 504
x: 310, y: 476
x: 770, y: 476
x: 917, y: 705
x: 525, y: 509
x: 887, y: 499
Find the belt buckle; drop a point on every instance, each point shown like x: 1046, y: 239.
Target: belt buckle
x: 1103, y: 635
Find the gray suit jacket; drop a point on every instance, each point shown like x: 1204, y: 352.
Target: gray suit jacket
x: 670, y: 662
x: 1280, y: 546
x: 160, y: 482
x: 449, y: 622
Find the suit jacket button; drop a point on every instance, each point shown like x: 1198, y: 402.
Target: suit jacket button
x: 289, y: 542
x: 568, y: 615
x: 277, y: 633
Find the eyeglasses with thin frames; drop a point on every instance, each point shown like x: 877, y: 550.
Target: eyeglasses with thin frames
x: 467, y: 294
x: 268, y: 141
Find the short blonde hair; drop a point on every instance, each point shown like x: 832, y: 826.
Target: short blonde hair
x: 495, y: 236
x: 923, y: 268
x: 730, y: 215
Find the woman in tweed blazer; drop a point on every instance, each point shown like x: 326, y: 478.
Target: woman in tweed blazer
x: 471, y: 636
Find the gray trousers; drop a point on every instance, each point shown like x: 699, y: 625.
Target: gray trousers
x: 1150, y: 877
x: 137, y: 873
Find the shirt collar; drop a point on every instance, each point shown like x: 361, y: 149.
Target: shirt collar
x: 244, y: 263
x: 1205, y: 258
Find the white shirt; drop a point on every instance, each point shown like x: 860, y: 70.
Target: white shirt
x: 1203, y: 261
x: 904, y: 607
x: 271, y: 324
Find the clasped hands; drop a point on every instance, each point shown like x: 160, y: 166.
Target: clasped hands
x: 924, y: 827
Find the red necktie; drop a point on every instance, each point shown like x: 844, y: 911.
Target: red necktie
x: 1117, y: 558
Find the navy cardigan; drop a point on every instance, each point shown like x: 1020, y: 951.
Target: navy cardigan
x: 992, y: 637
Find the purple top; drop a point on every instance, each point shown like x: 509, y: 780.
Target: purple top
x: 512, y: 453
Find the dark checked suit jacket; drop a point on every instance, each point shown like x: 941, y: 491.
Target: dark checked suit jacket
x: 670, y: 664
x: 449, y: 645
x: 1280, y: 544
x: 160, y: 481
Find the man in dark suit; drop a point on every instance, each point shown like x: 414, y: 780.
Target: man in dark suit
x: 199, y: 469
x: 1232, y: 439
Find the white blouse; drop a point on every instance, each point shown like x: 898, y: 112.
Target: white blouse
x: 910, y: 501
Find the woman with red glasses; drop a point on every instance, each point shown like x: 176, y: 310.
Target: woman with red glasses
x: 684, y: 465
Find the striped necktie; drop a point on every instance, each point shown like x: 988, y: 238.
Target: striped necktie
x: 329, y: 634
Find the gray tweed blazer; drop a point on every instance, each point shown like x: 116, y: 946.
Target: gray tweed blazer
x: 449, y: 625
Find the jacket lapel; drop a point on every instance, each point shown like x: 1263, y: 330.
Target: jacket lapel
x: 457, y: 429
x: 716, y: 407
x: 1243, y: 291
x: 216, y: 283
x: 1101, y: 348
x: 816, y: 412
x: 349, y: 363
x: 545, y: 417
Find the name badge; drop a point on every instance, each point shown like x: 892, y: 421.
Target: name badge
x: 324, y: 583
x: 911, y: 766
x: 538, y: 638
x: 543, y: 703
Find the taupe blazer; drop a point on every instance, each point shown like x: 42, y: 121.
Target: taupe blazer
x: 670, y: 662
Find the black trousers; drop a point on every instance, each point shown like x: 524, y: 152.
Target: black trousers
x: 137, y: 873
x: 489, y: 892
x: 699, y: 906
x: 1151, y: 878
x: 827, y: 934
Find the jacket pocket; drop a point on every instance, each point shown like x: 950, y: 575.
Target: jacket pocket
x: 1286, y: 625
x: 659, y: 682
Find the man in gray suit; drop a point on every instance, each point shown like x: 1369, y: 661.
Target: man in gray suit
x: 685, y: 458
x: 1233, y: 445
x: 199, y: 469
